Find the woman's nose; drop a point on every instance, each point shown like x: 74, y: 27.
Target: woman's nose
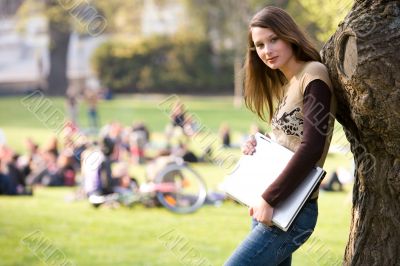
x: 267, y: 50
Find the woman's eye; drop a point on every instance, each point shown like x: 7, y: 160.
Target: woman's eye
x: 259, y: 46
x: 274, y: 39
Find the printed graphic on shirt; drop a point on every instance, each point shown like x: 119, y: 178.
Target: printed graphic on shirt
x: 291, y: 123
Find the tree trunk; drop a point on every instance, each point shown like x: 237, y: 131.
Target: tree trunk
x: 57, y: 81
x: 8, y: 8
x: 59, y: 34
x: 364, y: 63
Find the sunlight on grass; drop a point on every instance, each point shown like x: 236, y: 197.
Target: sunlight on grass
x: 131, y: 236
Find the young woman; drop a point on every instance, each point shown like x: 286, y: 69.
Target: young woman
x: 284, y: 78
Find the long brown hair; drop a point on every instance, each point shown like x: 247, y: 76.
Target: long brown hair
x: 263, y: 84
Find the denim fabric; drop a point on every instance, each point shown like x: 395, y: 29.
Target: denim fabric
x: 270, y: 245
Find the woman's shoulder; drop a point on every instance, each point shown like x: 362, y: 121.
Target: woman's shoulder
x: 315, y: 70
x: 315, y: 67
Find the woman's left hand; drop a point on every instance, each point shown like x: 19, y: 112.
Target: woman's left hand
x: 262, y: 213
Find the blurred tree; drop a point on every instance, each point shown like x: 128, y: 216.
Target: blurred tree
x: 90, y: 17
x: 59, y: 30
x: 9, y: 7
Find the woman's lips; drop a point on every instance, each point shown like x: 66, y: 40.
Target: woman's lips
x: 272, y: 59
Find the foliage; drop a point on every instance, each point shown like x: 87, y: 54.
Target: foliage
x: 319, y: 18
x: 224, y: 23
x: 161, y: 63
x: 222, y: 20
x: 221, y: 28
x: 122, y: 16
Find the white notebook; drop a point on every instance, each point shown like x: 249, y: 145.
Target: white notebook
x: 254, y: 173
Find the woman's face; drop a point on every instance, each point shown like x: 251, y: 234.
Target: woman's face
x: 273, y: 51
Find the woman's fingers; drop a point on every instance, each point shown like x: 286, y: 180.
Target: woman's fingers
x: 249, y: 147
x: 248, y: 150
x: 251, y: 211
x: 252, y: 140
x: 263, y: 213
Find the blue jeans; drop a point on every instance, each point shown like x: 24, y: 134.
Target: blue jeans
x: 270, y: 245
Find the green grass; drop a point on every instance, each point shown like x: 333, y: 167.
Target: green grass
x: 123, y: 236
x: 46, y: 225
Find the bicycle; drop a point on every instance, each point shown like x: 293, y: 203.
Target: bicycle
x: 177, y: 187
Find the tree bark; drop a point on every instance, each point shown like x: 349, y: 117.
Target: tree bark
x: 57, y: 81
x: 363, y: 59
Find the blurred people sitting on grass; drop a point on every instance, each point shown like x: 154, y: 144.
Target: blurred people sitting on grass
x: 52, y: 146
x: 175, y: 128
x: 112, y: 134
x: 12, y: 178
x: 225, y: 135
x: 96, y: 167
x: 333, y: 183
x: 44, y: 167
x: 91, y: 160
x: 178, y: 114
x: 66, y: 169
x: 191, y: 126
x: 182, y: 152
x: 337, y: 180
x: 47, y: 167
x: 138, y: 139
x: 124, y: 185
x: 102, y: 177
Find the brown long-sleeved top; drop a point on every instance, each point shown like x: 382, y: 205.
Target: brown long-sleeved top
x: 303, y: 122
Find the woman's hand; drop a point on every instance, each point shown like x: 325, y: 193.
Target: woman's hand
x: 262, y: 213
x: 249, y: 147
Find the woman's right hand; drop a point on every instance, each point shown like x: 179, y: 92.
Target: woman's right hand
x: 249, y: 147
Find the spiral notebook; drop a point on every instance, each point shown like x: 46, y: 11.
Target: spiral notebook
x: 254, y: 173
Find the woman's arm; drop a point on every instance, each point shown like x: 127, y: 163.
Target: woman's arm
x: 316, y: 108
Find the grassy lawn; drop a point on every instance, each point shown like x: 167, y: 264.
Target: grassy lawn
x: 141, y: 236
x: 17, y: 121
x: 47, y: 230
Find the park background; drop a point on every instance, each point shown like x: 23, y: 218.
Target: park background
x: 142, y: 57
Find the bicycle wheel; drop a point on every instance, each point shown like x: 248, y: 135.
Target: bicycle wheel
x: 180, y: 188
